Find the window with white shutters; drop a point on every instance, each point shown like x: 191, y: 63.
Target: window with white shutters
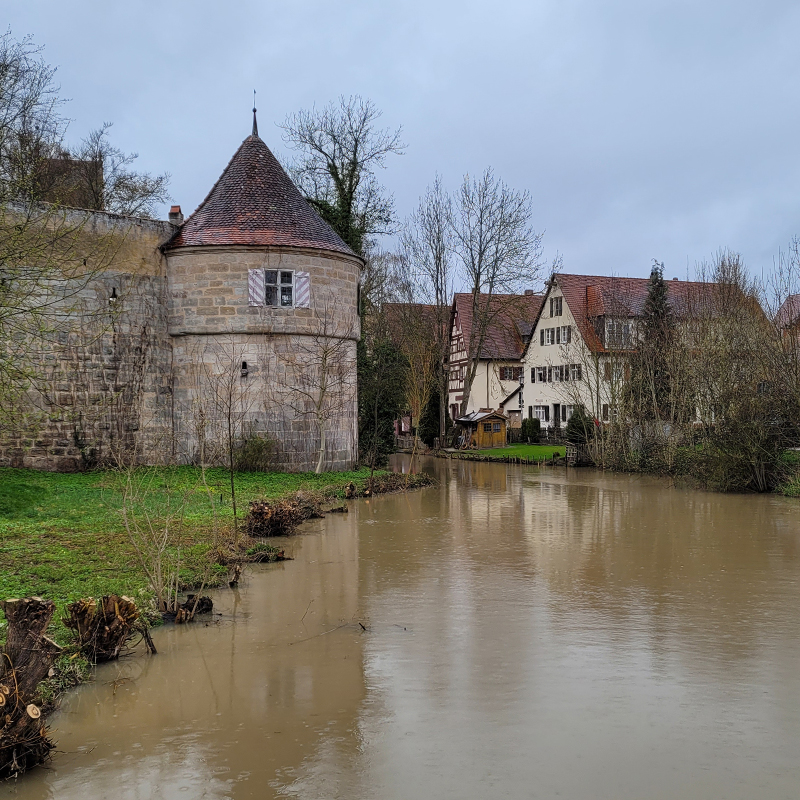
x: 278, y: 288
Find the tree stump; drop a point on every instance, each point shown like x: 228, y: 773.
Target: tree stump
x: 27, y: 658
x: 104, y: 631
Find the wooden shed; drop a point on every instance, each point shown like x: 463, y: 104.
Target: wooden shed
x: 483, y: 429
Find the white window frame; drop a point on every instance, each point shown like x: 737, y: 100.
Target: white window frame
x: 278, y: 285
x: 549, y: 336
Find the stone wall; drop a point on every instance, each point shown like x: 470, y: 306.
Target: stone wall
x: 208, y: 291
x: 100, y: 389
x: 147, y: 366
x: 275, y: 400
x: 214, y: 330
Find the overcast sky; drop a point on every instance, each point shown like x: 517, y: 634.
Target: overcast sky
x: 641, y: 129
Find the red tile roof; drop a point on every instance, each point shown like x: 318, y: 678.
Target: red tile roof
x: 254, y: 202
x: 591, y: 296
x: 511, y: 317
x: 789, y: 312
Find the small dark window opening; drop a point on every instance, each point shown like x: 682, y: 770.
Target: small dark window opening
x: 244, y: 369
x: 113, y: 298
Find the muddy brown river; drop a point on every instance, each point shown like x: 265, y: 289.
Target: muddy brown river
x: 527, y: 633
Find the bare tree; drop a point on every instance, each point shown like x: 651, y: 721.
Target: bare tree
x: 49, y: 254
x: 427, y: 248
x: 31, y: 127
x: 498, y: 251
x: 103, y: 177
x: 225, y: 401
x: 321, y: 388
x: 340, y: 148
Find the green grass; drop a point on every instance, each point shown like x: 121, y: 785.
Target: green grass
x: 535, y: 452
x: 62, y: 536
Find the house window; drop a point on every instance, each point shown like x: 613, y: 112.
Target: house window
x: 576, y: 372
x: 542, y: 413
x: 618, y: 334
x: 511, y: 373
x: 564, y: 334
x: 487, y: 427
x: 556, y: 373
x: 541, y: 374
x: 550, y: 336
x: 496, y: 427
x: 567, y: 411
x: 556, y: 304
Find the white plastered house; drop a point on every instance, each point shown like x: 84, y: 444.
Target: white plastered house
x: 496, y: 386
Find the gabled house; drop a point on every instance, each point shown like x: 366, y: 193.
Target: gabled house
x: 582, y: 339
x: 505, y: 323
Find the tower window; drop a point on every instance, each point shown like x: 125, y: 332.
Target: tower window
x: 279, y: 288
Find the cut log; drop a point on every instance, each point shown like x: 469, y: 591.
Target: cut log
x: 26, y: 660
x: 197, y: 605
x: 102, y: 632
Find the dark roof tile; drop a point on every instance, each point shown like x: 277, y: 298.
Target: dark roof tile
x: 254, y: 202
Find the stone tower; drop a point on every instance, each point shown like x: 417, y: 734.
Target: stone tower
x: 262, y: 301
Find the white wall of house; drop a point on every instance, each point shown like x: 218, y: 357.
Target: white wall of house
x: 563, y: 373
x: 489, y: 388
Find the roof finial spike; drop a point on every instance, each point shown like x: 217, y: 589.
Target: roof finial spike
x: 255, y: 122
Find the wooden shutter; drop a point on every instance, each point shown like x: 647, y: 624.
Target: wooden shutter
x: 569, y: 333
x: 302, y: 290
x: 255, y: 287
x: 541, y: 337
x: 533, y: 374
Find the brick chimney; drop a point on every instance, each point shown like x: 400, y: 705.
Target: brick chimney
x: 528, y: 292
x: 176, y: 215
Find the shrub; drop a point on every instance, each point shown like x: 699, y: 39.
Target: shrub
x: 255, y: 454
x: 531, y: 430
x: 579, y: 427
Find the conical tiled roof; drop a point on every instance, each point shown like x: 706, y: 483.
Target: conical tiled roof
x: 254, y: 202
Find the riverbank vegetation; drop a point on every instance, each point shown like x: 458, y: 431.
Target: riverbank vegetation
x: 64, y: 535
x: 712, y: 391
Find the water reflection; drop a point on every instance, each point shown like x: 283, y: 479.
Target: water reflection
x: 530, y: 633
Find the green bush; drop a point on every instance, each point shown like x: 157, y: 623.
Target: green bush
x: 579, y: 427
x: 255, y: 454
x: 531, y: 430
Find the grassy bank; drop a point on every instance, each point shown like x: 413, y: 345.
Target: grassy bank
x: 63, y: 536
x: 534, y: 452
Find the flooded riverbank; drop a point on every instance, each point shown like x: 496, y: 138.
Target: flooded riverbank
x: 512, y: 632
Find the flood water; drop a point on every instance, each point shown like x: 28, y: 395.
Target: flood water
x: 527, y: 633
